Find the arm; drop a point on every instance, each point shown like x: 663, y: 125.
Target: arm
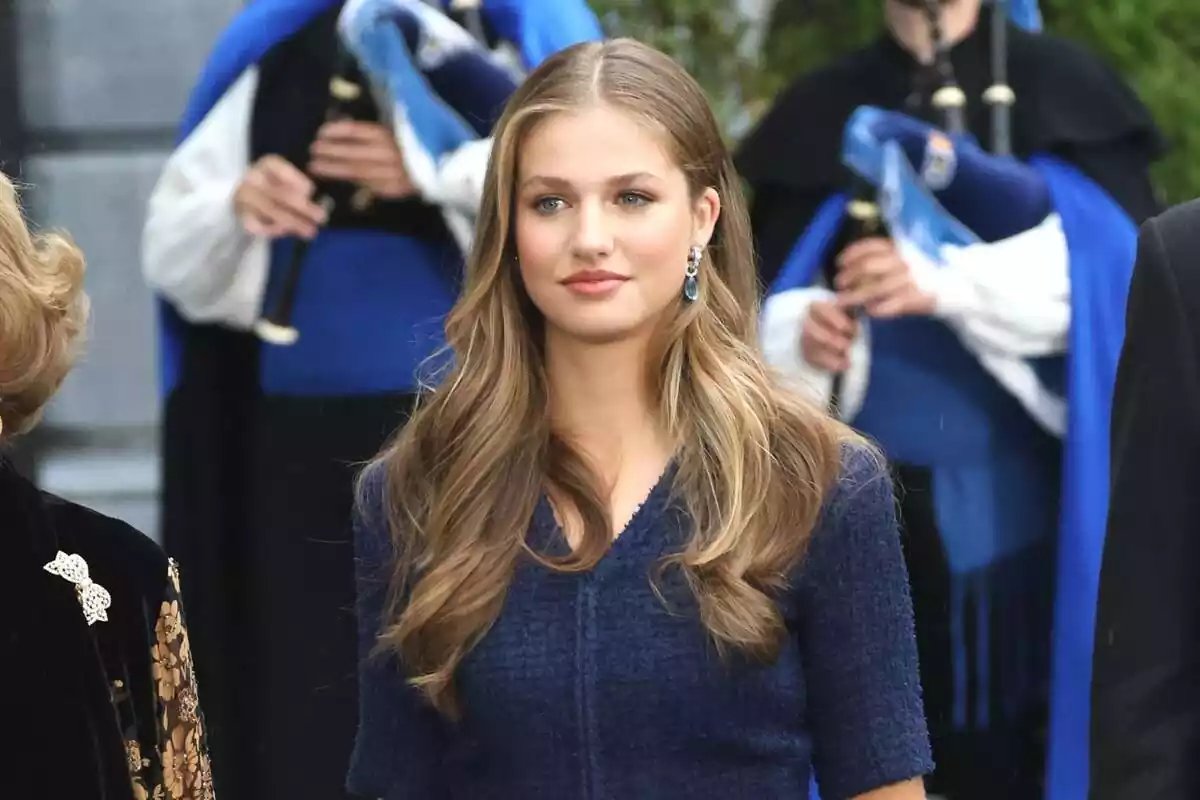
x: 1010, y: 298
x: 195, y: 250
x: 781, y: 328
x: 398, y: 746
x: 182, y: 744
x: 1146, y: 681
x: 779, y: 216
x: 908, y: 790
x: 859, y: 646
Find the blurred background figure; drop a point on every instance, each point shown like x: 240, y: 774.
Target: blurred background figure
x: 306, y: 237
x: 102, y: 698
x: 943, y: 331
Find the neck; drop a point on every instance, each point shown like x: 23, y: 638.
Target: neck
x: 910, y: 25
x: 600, y: 401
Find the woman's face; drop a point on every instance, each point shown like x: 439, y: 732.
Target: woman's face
x: 604, y: 222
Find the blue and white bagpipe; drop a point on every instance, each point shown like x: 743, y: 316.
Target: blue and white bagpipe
x: 937, y: 192
x: 446, y: 86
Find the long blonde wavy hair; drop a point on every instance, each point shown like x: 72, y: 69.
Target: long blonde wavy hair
x: 462, y: 478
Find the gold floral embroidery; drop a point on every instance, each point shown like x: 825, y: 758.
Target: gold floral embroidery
x: 140, y: 792
x: 183, y: 771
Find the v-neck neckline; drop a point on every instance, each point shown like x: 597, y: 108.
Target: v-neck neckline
x: 630, y: 535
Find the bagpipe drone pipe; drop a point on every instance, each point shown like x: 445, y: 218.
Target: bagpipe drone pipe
x: 934, y: 179
x: 933, y: 183
x: 863, y: 210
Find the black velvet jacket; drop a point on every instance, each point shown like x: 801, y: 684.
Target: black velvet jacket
x: 100, y: 711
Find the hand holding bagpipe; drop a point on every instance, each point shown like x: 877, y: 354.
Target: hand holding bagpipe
x: 356, y: 156
x: 871, y: 278
x: 869, y: 266
x: 355, y: 159
x: 826, y: 335
x: 275, y: 200
x: 362, y: 153
x: 994, y: 196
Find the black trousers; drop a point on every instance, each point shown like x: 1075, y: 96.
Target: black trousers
x: 269, y: 588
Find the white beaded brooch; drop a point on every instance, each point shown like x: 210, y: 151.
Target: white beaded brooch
x: 94, y: 598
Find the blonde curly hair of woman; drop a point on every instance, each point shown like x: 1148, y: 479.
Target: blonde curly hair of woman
x: 43, y: 314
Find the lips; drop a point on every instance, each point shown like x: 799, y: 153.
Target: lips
x: 593, y: 276
x: 595, y: 284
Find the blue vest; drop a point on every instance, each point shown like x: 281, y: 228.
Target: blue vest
x: 369, y: 310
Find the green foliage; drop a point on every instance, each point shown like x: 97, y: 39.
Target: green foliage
x: 706, y: 36
x: 1154, y: 44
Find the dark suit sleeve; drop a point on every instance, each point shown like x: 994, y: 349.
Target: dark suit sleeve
x: 1146, y: 682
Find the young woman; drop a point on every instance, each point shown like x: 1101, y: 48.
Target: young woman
x: 610, y: 556
x: 99, y: 697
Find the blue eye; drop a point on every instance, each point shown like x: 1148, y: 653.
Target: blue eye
x: 545, y: 205
x: 634, y: 199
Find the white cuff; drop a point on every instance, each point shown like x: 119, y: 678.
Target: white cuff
x: 194, y: 249
x: 783, y: 316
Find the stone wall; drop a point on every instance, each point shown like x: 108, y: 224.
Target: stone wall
x: 101, y: 88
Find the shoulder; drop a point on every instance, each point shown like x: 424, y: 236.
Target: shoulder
x: 373, y: 546
x: 858, y: 515
x: 1178, y: 227
x: 863, y: 479
x: 860, y: 507
x: 121, y: 558
x: 1077, y: 97
x: 1167, y: 244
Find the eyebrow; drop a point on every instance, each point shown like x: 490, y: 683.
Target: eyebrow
x: 555, y: 182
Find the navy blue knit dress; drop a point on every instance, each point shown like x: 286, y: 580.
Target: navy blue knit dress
x: 588, y: 687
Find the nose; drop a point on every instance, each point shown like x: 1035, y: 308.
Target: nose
x: 593, y: 232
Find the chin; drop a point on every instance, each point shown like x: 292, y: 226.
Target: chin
x: 598, y: 331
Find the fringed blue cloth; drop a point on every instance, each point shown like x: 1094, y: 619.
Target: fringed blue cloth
x: 447, y: 88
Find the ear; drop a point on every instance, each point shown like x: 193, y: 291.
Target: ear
x: 704, y: 216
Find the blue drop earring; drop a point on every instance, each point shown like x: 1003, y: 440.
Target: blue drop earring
x: 691, y: 286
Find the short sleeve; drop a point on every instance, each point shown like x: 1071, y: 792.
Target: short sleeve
x: 858, y: 642
x: 398, y: 746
